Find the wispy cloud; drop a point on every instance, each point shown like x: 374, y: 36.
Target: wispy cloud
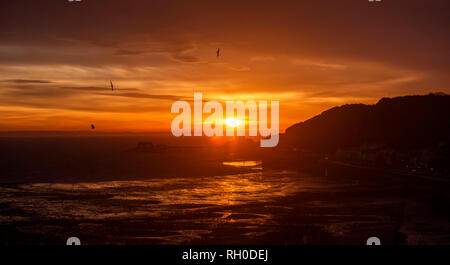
x: 240, y: 69
x: 143, y: 95
x: 319, y: 64
x: 96, y: 88
x: 129, y: 52
x: 262, y: 59
x: 26, y: 81
x: 161, y: 55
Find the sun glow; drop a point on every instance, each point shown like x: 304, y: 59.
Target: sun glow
x: 232, y: 122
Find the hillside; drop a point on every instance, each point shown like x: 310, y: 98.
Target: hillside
x: 408, y: 131
x: 403, y: 122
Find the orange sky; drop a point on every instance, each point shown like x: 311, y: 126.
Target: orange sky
x: 57, y: 57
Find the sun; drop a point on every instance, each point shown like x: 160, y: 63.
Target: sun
x: 232, y: 122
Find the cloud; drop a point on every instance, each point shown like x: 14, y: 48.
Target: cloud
x: 164, y: 51
x: 96, y: 89
x: 143, y: 95
x: 262, y: 59
x: 26, y: 81
x: 319, y: 64
x: 240, y: 69
x: 180, y: 53
x: 129, y: 52
x: 185, y: 58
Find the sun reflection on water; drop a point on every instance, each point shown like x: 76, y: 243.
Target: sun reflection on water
x: 206, y: 201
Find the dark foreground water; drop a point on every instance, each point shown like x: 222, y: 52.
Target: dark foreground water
x: 110, y: 197
x: 270, y: 207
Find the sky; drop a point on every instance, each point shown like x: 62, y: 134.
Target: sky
x: 57, y: 57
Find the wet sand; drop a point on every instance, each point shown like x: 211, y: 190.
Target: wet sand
x: 264, y: 207
x: 240, y: 203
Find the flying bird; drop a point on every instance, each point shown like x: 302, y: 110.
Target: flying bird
x: 92, y: 126
x: 112, y: 86
x: 218, y: 52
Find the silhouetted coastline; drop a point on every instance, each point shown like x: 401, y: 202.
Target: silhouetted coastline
x: 143, y: 189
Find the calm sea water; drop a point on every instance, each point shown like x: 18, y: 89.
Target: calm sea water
x: 201, y: 203
x: 262, y: 207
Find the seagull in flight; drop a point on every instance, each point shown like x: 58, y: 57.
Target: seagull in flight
x: 218, y: 52
x: 92, y: 126
x: 112, y: 86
